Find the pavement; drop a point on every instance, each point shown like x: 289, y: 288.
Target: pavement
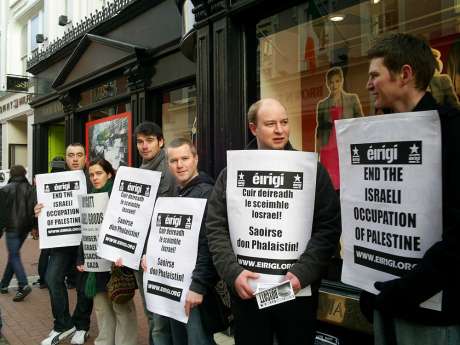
x: 29, y: 322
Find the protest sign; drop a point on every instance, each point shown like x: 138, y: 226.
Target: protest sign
x: 270, y: 202
x: 126, y: 221
x: 391, y: 196
x: 171, y: 254
x: 92, y: 208
x: 59, y: 220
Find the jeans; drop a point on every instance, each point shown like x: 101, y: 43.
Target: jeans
x: 43, y: 264
x: 392, y: 331
x: 57, y: 268
x: 14, y: 243
x: 159, y: 327
x: 191, y: 333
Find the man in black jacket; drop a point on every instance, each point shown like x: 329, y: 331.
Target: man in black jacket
x: 401, y: 67
x: 17, y: 218
x: 292, y: 322
x: 183, y: 164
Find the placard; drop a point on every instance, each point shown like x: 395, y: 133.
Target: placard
x: 171, y: 255
x: 126, y: 222
x: 92, y: 208
x: 59, y: 220
x: 391, y: 194
x: 270, y: 203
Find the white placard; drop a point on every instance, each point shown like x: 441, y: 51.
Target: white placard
x: 127, y: 219
x: 391, y: 196
x: 171, y: 255
x: 270, y: 203
x: 92, y: 208
x: 59, y: 220
x: 274, y: 295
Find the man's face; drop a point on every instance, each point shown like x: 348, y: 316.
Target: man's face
x: 272, y: 127
x: 182, y: 164
x: 148, y: 146
x: 75, y: 157
x: 384, y: 86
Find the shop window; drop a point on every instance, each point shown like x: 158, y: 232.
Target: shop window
x: 179, y: 114
x: 313, y: 58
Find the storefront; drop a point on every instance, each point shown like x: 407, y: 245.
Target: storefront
x: 96, y: 88
x: 306, y: 54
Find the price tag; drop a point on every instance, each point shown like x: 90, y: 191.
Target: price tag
x: 276, y: 294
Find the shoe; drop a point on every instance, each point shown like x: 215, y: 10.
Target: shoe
x: 4, y: 290
x: 79, y: 337
x: 22, y: 293
x: 55, y: 337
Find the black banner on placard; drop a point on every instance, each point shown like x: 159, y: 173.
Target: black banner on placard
x: 266, y: 266
x: 384, y: 262
x: 68, y: 230
x: 163, y: 290
x: 394, y: 152
x: 177, y: 221
x: 135, y: 188
x: 120, y: 243
x: 62, y: 186
x: 269, y: 179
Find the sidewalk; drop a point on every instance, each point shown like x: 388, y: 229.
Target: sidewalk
x: 28, y: 322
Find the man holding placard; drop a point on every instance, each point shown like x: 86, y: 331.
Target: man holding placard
x: 276, y: 222
x: 150, y: 142
x: 61, y: 257
x: 401, y: 67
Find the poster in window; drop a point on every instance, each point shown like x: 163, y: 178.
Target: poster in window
x: 110, y: 138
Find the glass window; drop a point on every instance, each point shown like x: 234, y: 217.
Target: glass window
x: 179, y: 114
x: 109, y: 111
x: 34, y: 30
x: 314, y: 60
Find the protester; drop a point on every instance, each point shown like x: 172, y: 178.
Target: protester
x: 183, y: 164
x: 149, y: 141
x: 401, y: 67
x: 117, y: 323
x: 292, y: 322
x: 58, y: 266
x: 18, y: 219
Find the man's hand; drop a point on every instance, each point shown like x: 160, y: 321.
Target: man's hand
x: 119, y: 262
x: 241, y: 284
x: 191, y: 301
x: 295, y: 282
x: 38, y: 209
x: 81, y: 268
x: 144, y: 263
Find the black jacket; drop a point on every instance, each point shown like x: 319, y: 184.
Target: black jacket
x: 17, y: 199
x: 314, y: 261
x: 204, y: 276
x: 439, y: 267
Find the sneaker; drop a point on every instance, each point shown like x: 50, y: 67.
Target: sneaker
x: 55, y: 337
x: 22, y: 293
x: 4, y: 290
x: 79, y: 337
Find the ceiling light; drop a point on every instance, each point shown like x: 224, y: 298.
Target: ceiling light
x: 336, y: 17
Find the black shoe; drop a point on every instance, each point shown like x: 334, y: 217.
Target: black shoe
x: 3, y: 290
x: 22, y: 293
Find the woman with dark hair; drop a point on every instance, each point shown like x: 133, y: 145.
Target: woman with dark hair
x: 17, y: 218
x: 117, y: 322
x: 337, y: 105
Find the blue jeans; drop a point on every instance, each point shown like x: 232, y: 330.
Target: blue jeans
x: 192, y: 333
x: 14, y: 243
x: 159, y: 327
x: 389, y: 331
x: 59, y: 261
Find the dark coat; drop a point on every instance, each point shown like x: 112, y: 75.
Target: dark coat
x: 311, y: 265
x: 439, y: 267
x: 204, y: 276
x: 17, y: 211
